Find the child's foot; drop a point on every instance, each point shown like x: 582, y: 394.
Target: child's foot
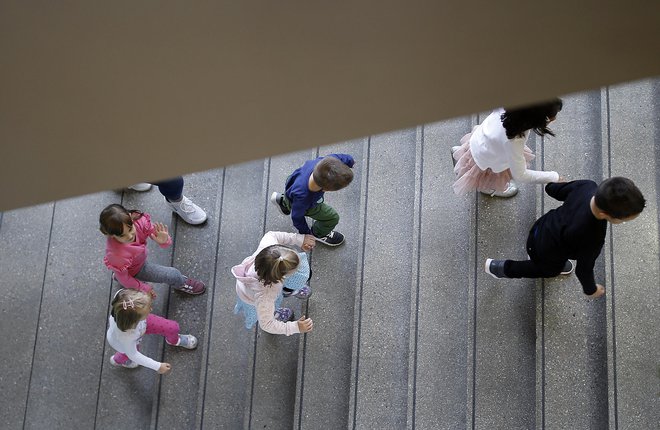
x: 334, y: 238
x: 142, y: 186
x: 278, y: 200
x: 511, y: 190
x: 187, y: 341
x: 454, y: 149
x: 188, y: 211
x: 568, y: 268
x: 127, y: 364
x: 193, y: 287
x: 495, y: 268
x: 284, y: 314
x: 302, y: 294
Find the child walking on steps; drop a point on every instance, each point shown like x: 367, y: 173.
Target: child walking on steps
x: 274, y: 271
x: 575, y: 230
x: 126, y: 251
x: 496, y: 153
x: 130, y: 319
x: 303, y: 196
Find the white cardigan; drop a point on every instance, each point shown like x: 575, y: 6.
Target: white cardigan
x: 127, y: 342
x: 491, y: 148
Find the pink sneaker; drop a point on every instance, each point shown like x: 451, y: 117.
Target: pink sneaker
x: 193, y: 287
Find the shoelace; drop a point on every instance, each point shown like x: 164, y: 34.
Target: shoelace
x: 186, y: 205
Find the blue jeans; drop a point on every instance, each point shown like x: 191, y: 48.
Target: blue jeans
x: 172, y: 189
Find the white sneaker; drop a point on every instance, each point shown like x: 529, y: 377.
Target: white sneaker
x: 188, y: 211
x: 142, y: 186
x: 511, y: 190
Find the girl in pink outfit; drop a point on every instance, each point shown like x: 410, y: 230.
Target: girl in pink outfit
x: 496, y: 152
x: 130, y: 319
x: 126, y: 251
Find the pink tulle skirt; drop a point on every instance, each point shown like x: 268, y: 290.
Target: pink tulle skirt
x: 470, y: 177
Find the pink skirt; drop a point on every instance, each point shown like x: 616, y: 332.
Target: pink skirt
x: 471, y: 177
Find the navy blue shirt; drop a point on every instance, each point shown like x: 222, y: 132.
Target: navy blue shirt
x: 299, y: 194
x: 572, y: 231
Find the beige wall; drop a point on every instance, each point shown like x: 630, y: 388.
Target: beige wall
x: 98, y: 95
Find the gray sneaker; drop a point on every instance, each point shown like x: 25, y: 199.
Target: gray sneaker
x: 568, y: 268
x: 495, y: 268
x: 141, y: 186
x: 278, y: 200
x: 187, y: 341
x: 511, y: 190
x: 188, y: 211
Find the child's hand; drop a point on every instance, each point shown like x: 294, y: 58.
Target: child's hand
x: 165, y: 368
x: 152, y: 293
x: 600, y: 291
x: 308, y: 242
x: 160, y: 235
x: 305, y: 324
x: 562, y: 179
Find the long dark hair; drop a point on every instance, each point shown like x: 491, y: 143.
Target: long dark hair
x: 536, y: 117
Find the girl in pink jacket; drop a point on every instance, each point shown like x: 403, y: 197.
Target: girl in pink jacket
x: 126, y: 251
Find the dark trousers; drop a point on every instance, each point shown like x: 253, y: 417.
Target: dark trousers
x: 172, y: 189
x: 542, y: 264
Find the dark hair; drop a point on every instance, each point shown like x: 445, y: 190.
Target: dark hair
x: 126, y: 307
x: 275, y: 261
x: 619, y: 198
x: 535, y: 117
x: 332, y: 174
x: 114, y: 217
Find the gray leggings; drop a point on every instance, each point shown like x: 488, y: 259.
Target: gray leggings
x: 151, y: 272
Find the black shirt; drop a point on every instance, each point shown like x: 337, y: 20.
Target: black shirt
x: 572, y: 231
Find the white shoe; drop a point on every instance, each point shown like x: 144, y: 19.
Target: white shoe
x: 188, y: 211
x: 511, y: 190
x: 142, y: 186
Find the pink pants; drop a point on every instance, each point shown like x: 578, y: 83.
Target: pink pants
x: 156, y: 325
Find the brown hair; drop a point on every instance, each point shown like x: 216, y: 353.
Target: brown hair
x: 273, y: 262
x: 114, y: 217
x: 128, y: 307
x: 332, y: 174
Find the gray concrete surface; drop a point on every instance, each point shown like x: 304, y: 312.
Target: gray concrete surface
x: 410, y: 333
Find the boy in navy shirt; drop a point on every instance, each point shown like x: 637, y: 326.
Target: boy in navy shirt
x: 303, y: 196
x: 575, y: 230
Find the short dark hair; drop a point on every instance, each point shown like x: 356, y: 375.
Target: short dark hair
x: 332, y: 174
x: 619, y: 198
x: 534, y: 117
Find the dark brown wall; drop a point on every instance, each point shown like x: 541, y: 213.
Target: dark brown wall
x: 98, y: 95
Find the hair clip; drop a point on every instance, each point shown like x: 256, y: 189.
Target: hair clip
x: 128, y: 304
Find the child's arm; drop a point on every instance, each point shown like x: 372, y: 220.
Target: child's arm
x: 141, y: 359
x: 265, y: 304
x: 584, y: 270
x: 519, y: 170
x: 560, y: 190
x: 128, y: 281
x: 281, y: 238
x: 345, y: 158
x: 298, y: 209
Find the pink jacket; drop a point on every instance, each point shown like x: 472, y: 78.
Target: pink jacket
x: 126, y: 259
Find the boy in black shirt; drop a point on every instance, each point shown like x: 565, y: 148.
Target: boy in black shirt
x: 575, y: 230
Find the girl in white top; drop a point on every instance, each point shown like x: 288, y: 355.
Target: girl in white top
x: 130, y: 320
x: 495, y: 153
x: 260, y: 278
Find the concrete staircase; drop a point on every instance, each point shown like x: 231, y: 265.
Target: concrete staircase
x: 410, y: 333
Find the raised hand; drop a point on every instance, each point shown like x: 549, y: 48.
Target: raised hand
x: 160, y: 234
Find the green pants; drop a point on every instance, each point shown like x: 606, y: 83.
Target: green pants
x: 324, y: 216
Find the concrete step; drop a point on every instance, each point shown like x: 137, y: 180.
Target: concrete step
x: 324, y: 365
x: 571, y: 347
x: 443, y: 247
x: 379, y: 382
x: 632, y: 255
